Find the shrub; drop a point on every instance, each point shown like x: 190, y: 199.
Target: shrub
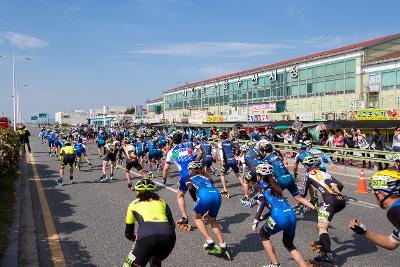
x: 10, y: 148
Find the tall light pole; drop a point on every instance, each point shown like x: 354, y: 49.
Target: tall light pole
x: 14, y: 88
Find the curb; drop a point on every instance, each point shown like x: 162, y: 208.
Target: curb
x: 10, y: 257
x: 22, y: 249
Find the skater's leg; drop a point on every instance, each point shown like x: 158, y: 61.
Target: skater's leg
x: 269, y: 248
x: 201, y: 226
x: 216, y: 229
x: 181, y: 203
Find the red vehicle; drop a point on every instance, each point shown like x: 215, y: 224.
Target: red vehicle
x: 4, y: 122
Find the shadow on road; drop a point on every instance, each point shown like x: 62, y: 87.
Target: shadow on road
x: 251, y: 243
x: 63, y: 216
x: 225, y: 222
x: 352, y: 247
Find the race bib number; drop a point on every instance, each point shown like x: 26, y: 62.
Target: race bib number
x: 271, y: 223
x: 379, y: 182
x: 323, y: 214
x: 129, y: 260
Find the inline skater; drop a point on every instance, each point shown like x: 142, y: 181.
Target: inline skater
x: 281, y: 173
x: 386, y: 187
x: 101, y: 142
x: 155, y: 153
x: 228, y: 161
x: 155, y: 237
x: 42, y: 135
x: 206, y: 150
x: 332, y: 203
x: 51, y: 137
x: 110, y: 156
x: 140, y: 148
x: 207, y: 202
x: 280, y: 217
x: 181, y: 155
x: 131, y: 160
x: 67, y: 157
x: 81, y: 150
x: 250, y: 159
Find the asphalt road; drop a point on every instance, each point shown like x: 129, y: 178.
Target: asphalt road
x: 89, y: 218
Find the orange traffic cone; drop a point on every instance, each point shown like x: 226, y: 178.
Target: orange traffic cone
x: 286, y: 162
x: 362, y: 185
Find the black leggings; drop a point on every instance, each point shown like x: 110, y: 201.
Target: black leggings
x: 153, y: 249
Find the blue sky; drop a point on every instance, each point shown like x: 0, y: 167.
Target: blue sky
x: 88, y: 53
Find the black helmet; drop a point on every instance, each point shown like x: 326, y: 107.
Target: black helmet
x: 177, y: 138
x: 224, y: 135
x: 267, y: 147
x: 194, y: 165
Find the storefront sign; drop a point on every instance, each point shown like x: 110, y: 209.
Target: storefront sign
x: 305, y: 116
x: 376, y: 114
x: 215, y: 119
x: 235, y: 118
x: 258, y: 118
x: 198, y: 114
x: 263, y: 107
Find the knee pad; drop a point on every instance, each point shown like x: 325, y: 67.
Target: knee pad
x: 264, y: 234
x: 287, y: 241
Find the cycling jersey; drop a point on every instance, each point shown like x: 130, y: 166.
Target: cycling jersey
x: 140, y: 151
x: 226, y: 150
x: 281, y: 173
x: 67, y: 155
x: 154, y: 150
x: 327, y: 186
x: 189, y: 144
x: 251, y: 163
x: 102, y: 140
x: 255, y: 153
x: 208, y: 197
x: 154, y: 218
x: 281, y: 216
x: 393, y: 215
x: 181, y: 156
x: 206, y: 157
x: 322, y: 157
x: 80, y: 148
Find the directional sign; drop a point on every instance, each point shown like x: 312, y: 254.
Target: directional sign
x: 34, y: 118
x: 42, y: 115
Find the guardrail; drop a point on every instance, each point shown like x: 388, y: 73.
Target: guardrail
x: 340, y: 152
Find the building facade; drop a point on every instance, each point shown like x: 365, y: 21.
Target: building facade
x: 340, y: 84
x: 75, y: 117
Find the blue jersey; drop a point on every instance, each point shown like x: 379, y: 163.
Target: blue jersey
x: 181, y: 155
x: 255, y: 153
x: 161, y: 140
x: 227, y: 150
x: 206, y: 149
x: 201, y: 183
x: 153, y: 147
x: 51, y: 137
x: 323, y: 158
x: 251, y: 162
x: 277, y: 163
x: 140, y: 148
x: 189, y: 144
x: 102, y: 139
x: 277, y: 205
x: 79, y: 148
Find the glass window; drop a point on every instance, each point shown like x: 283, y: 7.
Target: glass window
x: 320, y: 71
x: 330, y: 69
x: 388, y: 80
x: 339, y: 67
x: 288, y: 91
x: 350, y: 84
x: 303, y: 90
x: 330, y: 86
x: 320, y: 87
x: 398, y: 79
x: 310, y: 73
x: 295, y: 90
x: 351, y: 65
x: 339, y: 85
x: 310, y: 89
x: 303, y: 74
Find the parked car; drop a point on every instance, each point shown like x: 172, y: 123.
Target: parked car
x: 4, y: 122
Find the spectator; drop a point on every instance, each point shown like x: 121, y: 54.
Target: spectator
x: 329, y: 140
x: 304, y: 136
x: 287, y: 136
x: 338, y: 141
x: 323, y: 137
x: 297, y: 127
x: 378, y: 142
x: 360, y: 141
x: 396, y: 140
x: 349, y: 140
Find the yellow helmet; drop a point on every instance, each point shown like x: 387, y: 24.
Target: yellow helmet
x: 387, y: 181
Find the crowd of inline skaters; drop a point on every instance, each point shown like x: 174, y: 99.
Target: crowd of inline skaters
x: 257, y: 165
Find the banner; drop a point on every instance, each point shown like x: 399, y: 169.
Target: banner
x: 376, y: 114
x: 198, y: 114
x: 215, y: 119
x: 305, y: 116
x: 260, y: 108
x: 258, y: 118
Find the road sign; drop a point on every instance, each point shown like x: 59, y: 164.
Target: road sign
x: 34, y: 118
x: 42, y: 115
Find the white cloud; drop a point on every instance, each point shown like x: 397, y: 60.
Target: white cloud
x: 21, y: 40
x: 231, y: 49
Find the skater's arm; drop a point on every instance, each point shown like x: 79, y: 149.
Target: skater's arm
x: 169, y: 216
x: 130, y: 232
x: 192, y: 190
x: 260, y: 208
x: 388, y: 242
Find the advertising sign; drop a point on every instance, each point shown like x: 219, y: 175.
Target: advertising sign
x: 263, y: 107
x: 376, y: 114
x: 305, y: 116
x: 215, y: 119
x: 258, y: 118
x: 198, y: 114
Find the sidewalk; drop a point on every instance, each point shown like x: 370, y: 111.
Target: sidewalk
x: 22, y: 250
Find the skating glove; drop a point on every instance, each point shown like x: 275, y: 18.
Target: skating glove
x: 359, y: 229
x: 254, y: 226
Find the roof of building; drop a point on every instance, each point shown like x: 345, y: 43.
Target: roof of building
x: 160, y: 99
x: 340, y: 50
x: 387, y: 57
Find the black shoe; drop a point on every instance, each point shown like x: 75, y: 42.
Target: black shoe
x: 328, y: 257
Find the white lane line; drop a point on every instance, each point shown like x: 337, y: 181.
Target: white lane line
x: 160, y: 184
